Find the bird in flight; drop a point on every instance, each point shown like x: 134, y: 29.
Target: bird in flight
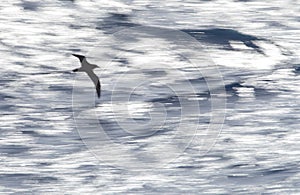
x: 88, y: 68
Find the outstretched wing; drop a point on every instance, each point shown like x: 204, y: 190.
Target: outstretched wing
x: 96, y: 82
x: 80, y: 57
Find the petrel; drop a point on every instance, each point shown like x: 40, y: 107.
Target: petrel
x: 88, y: 68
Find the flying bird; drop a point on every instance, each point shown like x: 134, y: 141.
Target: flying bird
x: 88, y: 68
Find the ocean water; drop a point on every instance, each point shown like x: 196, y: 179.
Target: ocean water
x: 198, y: 97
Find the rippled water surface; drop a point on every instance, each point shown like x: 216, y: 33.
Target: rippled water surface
x: 167, y: 69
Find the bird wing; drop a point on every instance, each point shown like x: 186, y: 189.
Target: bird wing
x: 96, y: 82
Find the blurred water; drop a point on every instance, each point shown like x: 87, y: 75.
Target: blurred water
x: 255, y: 45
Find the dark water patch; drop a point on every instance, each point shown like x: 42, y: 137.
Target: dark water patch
x: 115, y: 22
x: 62, y: 109
x: 275, y: 171
x: 232, y: 89
x: 89, y: 178
x: 43, y: 138
x: 67, y: 72
x: 30, y: 132
x: 77, y: 26
x: 277, y: 24
x: 6, y: 82
x: 262, y: 177
x: 278, y: 173
x: 204, y: 105
x: 6, y: 108
x: 164, y: 129
x: 49, y: 34
x: 269, y: 132
x: 155, y: 73
x: 259, y: 93
x: 48, y: 67
x: 25, y: 179
x: 13, y: 149
x: 142, y: 120
x: 31, y: 125
x: 262, y: 93
x: 87, y: 167
x: 149, y: 188
x: 16, y: 175
x: 30, y: 5
x: 114, y: 131
x: 228, y: 140
x: 289, y: 120
x: 169, y: 101
x: 35, y: 119
x: 45, y: 180
x: 63, y: 88
x: 241, y: 166
x: 121, y: 61
x: 204, y: 95
x: 188, y: 167
x: 197, y: 80
x: 44, y: 164
x: 222, y: 37
x: 11, y: 74
x: 22, y: 54
x: 20, y: 63
x: 236, y: 166
x: 4, y: 97
x: 74, y: 50
x: 267, y: 80
x: 297, y: 69
x: 219, y: 156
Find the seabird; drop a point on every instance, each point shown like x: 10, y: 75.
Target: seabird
x: 88, y: 68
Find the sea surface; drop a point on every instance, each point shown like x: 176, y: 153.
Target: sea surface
x: 197, y: 97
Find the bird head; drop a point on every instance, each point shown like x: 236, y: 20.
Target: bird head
x: 94, y: 66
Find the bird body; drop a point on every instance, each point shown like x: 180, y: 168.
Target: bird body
x: 88, y: 68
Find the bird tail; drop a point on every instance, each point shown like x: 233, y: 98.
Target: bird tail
x: 75, y: 70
